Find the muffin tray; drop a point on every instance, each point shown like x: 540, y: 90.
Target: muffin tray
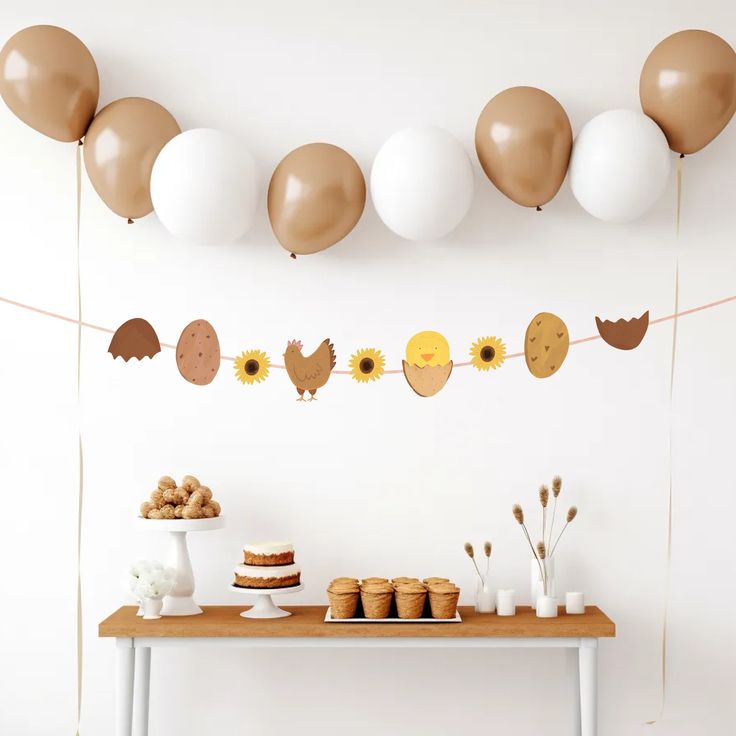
x: 391, y: 619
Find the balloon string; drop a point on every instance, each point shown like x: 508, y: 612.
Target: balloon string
x: 668, y: 556
x: 678, y: 176
x: 80, y: 496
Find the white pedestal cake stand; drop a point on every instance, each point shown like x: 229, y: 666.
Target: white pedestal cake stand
x: 180, y: 601
x: 264, y: 607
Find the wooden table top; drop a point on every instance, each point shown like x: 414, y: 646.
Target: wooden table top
x: 308, y: 621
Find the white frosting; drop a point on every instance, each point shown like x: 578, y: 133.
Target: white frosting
x: 268, y: 548
x: 276, y: 571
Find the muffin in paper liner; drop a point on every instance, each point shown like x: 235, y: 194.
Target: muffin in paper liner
x: 410, y: 600
x: 343, y: 602
x: 443, y: 600
x: 376, y: 600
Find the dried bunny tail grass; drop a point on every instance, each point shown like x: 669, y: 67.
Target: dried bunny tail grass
x: 572, y: 512
x: 543, y: 496
x: 542, y: 550
x: 471, y: 553
x: 518, y: 513
x: 556, y: 486
x: 487, y: 548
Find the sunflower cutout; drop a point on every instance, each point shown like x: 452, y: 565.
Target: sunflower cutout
x: 487, y: 352
x: 367, y: 365
x: 252, y: 367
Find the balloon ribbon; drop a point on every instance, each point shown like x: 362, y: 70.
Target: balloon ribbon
x: 80, y: 495
x: 668, y: 561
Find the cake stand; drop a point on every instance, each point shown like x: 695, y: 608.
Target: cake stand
x: 264, y: 607
x: 180, y: 602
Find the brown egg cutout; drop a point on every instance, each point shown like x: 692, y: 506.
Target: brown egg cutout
x: 198, y: 353
x: 426, y: 381
x: 134, y: 339
x: 545, y: 345
x: 624, y: 334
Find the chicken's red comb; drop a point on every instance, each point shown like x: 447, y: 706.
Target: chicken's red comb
x: 295, y: 344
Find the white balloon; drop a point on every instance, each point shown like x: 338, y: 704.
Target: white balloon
x: 204, y: 186
x: 422, y: 183
x: 620, y: 165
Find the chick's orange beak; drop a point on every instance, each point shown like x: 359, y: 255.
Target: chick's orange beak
x: 427, y: 357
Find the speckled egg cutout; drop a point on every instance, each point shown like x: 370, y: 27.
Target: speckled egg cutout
x: 198, y: 353
x: 546, y: 344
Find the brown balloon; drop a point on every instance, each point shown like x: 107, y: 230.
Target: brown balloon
x: 49, y: 79
x: 120, y: 148
x: 135, y: 338
x: 688, y: 87
x: 315, y: 198
x: 523, y: 139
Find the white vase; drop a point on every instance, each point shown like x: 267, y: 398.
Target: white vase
x: 537, y: 586
x: 152, y: 607
x: 546, y: 606
x: 484, y: 599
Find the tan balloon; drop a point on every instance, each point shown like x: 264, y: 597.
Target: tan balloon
x: 523, y: 139
x: 688, y: 87
x: 120, y: 148
x: 315, y: 198
x: 49, y: 79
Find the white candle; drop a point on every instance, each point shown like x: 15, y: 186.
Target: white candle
x: 505, y: 605
x: 574, y: 603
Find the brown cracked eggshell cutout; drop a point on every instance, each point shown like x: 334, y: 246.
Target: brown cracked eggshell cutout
x: 546, y: 344
x: 624, y: 334
x: 198, y: 353
x: 135, y: 338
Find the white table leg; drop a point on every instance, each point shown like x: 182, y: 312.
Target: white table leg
x: 141, y: 690
x: 588, y: 668
x: 124, y: 700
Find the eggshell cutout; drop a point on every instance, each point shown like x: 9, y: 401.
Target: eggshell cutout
x: 426, y: 381
x: 624, y: 334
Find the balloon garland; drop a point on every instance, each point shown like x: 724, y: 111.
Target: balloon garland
x: 204, y: 187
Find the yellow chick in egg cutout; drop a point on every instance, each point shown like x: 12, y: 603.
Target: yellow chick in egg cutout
x: 427, y: 366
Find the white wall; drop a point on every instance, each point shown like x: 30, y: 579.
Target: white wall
x: 370, y: 479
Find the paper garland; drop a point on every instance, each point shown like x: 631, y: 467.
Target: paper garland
x: 427, y: 366
x: 507, y: 356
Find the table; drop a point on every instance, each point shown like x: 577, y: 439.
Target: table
x: 223, y: 626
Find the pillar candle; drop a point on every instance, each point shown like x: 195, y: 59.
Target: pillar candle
x: 505, y: 605
x: 574, y: 603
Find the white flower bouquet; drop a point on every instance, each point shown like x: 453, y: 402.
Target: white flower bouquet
x: 150, y: 579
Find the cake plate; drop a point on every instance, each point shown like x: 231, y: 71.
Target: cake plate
x: 180, y: 601
x: 264, y: 607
